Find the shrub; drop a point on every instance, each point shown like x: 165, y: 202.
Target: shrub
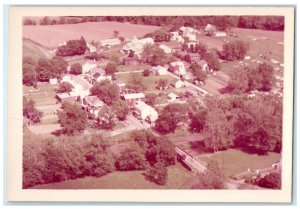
x: 65, y: 87
x: 157, y: 174
x: 130, y: 159
x: 76, y: 69
x: 30, y: 112
x: 146, y: 72
x: 272, y: 180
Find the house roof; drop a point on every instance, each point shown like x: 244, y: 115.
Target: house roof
x: 93, y: 101
x: 165, y: 47
x: 178, y: 63
x: 133, y: 96
x: 78, y: 80
x: 172, y: 95
x: 109, y: 41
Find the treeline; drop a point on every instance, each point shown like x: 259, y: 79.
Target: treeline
x: 275, y: 23
x: 251, y: 124
x: 54, y: 159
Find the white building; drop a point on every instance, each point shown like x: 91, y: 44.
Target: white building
x: 189, y: 44
x: 220, y: 33
x: 136, y: 45
x: 53, y: 81
x: 172, y: 97
x: 110, y: 42
x: 176, y: 37
x: 191, y: 37
x: 178, y: 83
x: 165, y: 48
x: 92, y: 104
x: 88, y: 66
x: 187, y: 30
x: 145, y: 112
x: 81, y: 87
x: 178, y: 68
x: 159, y: 70
x: 92, y: 48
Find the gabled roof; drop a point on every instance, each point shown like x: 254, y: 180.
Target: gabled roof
x: 78, y: 80
x: 93, y: 101
x: 133, y: 96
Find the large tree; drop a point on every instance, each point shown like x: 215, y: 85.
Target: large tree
x: 76, y: 69
x: 170, y: 118
x: 121, y: 108
x: 72, y: 47
x: 154, y: 55
x: 30, y: 112
x: 72, y: 118
x: 234, y: 50
x: 51, y: 68
x: 106, y: 91
x: 65, y: 87
x: 135, y: 82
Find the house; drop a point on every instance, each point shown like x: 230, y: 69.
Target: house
x: 81, y: 87
x: 191, y: 37
x: 165, y: 48
x: 188, y: 76
x: 177, y: 83
x: 131, y: 98
x: 145, y: 112
x: 176, y: 37
x: 131, y: 61
x: 110, y: 42
x: 66, y: 97
x: 92, y: 104
x: 203, y: 64
x: 92, y: 48
x: 172, y: 97
x: 193, y: 57
x: 219, y: 33
x: 187, y: 30
x: 210, y: 29
x: 121, y: 84
x: 159, y: 70
x: 177, y: 68
x: 247, y: 57
x: 189, y: 44
x: 53, y: 81
x: 136, y: 45
x: 87, y: 65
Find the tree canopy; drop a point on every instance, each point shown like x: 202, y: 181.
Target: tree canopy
x: 107, y: 92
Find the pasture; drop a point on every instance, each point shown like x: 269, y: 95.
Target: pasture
x: 52, y: 35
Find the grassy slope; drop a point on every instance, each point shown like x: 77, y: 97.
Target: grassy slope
x: 31, y: 51
x: 177, y: 178
x: 236, y: 161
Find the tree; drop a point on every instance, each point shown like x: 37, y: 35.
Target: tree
x: 72, y: 118
x: 136, y: 82
x: 197, y: 72
x: 234, y: 50
x: 115, y: 59
x: 76, y: 68
x: 146, y: 72
x: 121, y: 108
x: 72, y: 47
x: 170, y: 118
x: 51, y: 68
x: 111, y: 68
x: 130, y: 159
x: 198, y: 120
x: 162, y: 84
x: 239, y: 82
x: 151, y: 98
x: 154, y: 55
x: 106, y: 119
x: 219, y: 129
x: 30, y: 76
x: 212, y: 61
x: 30, y: 112
x: 212, y: 178
x: 65, y: 87
x: 267, y: 77
x: 106, y: 91
x: 201, y: 49
x: 272, y: 180
x: 157, y: 174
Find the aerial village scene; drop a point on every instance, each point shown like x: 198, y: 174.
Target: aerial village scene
x: 152, y: 102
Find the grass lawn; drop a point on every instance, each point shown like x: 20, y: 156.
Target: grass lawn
x: 236, y: 161
x: 31, y: 51
x: 45, y: 94
x: 123, y: 68
x: 177, y: 179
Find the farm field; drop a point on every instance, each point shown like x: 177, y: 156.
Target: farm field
x: 43, y: 95
x: 29, y: 50
x: 178, y: 176
x: 52, y: 35
x: 245, y: 160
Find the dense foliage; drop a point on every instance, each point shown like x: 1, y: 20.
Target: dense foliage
x: 154, y: 55
x: 271, y: 180
x: 106, y: 91
x: 234, y: 50
x: 30, y: 76
x: 51, y: 68
x: 72, y: 47
x: 30, y: 112
x: 64, y: 87
x: 72, y: 118
x: 76, y: 68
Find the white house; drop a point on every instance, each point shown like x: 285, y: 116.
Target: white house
x: 136, y: 45
x: 178, y: 68
x: 92, y: 104
x: 53, y: 81
x: 172, y: 97
x: 191, y: 37
x: 187, y: 30
x: 178, y: 83
x: 81, y: 87
x: 165, y: 48
x: 131, y: 98
x: 189, y: 44
x: 220, y: 33
x: 110, y: 42
x: 176, y: 37
x: 159, y: 70
x: 145, y: 112
x: 210, y: 28
x: 88, y: 65
x: 188, y: 76
x: 92, y: 48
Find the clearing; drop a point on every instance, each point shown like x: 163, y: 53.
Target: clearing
x: 235, y: 161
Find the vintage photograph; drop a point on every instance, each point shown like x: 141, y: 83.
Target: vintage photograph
x: 152, y: 102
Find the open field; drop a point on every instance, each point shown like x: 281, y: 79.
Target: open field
x: 236, y: 161
x: 29, y: 50
x: 43, y: 95
x: 52, y: 35
x: 177, y: 179
x: 277, y: 36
